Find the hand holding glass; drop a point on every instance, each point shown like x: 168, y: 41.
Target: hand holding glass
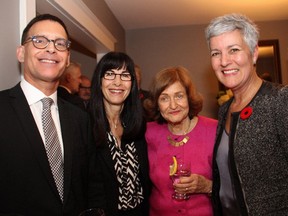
x: 183, y: 169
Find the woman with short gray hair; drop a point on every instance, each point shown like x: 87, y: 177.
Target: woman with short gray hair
x: 251, y: 151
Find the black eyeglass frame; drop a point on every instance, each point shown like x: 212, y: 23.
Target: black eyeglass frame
x: 34, y: 39
x: 113, y: 76
x: 85, y: 87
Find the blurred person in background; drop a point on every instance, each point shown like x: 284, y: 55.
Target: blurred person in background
x: 70, y: 83
x: 143, y: 94
x: 85, y: 90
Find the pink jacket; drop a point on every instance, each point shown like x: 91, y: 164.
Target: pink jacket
x: 198, y: 151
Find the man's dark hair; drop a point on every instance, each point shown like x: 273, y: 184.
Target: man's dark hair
x: 39, y: 18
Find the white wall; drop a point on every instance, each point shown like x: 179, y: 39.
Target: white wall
x: 11, y: 13
x: 88, y: 63
x: 9, y: 40
x: 156, y: 48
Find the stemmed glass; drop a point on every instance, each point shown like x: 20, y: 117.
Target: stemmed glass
x: 183, y: 169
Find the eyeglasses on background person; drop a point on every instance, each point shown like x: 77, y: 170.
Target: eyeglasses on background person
x: 41, y: 42
x: 109, y: 75
x: 85, y: 87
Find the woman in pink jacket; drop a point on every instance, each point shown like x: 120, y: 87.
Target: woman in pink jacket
x: 179, y: 133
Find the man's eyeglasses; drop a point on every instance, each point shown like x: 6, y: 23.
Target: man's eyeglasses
x: 85, y: 87
x: 41, y: 42
x: 109, y: 75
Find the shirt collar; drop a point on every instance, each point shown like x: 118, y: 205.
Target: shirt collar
x: 70, y: 92
x: 33, y: 95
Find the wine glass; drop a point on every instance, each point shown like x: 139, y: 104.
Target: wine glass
x: 183, y: 169
x: 93, y: 212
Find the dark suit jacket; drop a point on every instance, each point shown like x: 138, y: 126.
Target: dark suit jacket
x: 26, y: 182
x: 106, y: 184
x: 72, y: 98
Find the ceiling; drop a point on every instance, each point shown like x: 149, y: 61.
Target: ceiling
x: 138, y: 14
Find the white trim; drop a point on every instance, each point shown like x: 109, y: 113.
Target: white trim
x: 84, y: 19
x: 27, y: 11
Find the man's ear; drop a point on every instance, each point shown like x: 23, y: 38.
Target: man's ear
x: 20, y: 52
x: 68, y: 77
x: 68, y: 60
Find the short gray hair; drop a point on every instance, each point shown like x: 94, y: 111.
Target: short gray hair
x: 231, y: 22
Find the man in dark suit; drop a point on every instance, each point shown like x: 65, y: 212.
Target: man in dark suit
x: 143, y: 94
x: 85, y: 90
x: 28, y: 186
x: 70, y: 83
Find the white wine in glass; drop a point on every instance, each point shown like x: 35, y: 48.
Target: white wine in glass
x: 183, y: 169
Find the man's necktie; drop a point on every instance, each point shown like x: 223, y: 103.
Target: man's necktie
x: 52, y: 145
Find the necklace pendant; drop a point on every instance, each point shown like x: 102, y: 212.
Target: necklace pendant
x: 177, y: 144
x: 185, y: 140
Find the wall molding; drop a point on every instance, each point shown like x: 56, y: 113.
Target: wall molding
x: 82, y: 24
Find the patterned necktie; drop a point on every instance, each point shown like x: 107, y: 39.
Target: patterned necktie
x: 52, y: 145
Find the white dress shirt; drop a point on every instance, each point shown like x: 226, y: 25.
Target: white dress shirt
x: 34, y: 96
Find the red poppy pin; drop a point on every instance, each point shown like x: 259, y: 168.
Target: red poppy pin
x: 141, y: 95
x: 246, y: 113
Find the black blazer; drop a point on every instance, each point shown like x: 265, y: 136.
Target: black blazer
x: 26, y: 181
x: 106, y: 184
x: 72, y: 98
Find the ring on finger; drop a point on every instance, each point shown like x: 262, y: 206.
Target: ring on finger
x: 186, y: 189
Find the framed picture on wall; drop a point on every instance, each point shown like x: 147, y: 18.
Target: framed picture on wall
x: 268, y: 64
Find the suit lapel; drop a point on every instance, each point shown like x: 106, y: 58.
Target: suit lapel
x: 23, y: 112
x: 67, y: 136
